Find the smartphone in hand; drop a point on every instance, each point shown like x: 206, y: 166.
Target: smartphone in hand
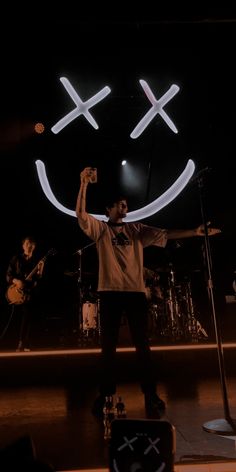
x: 93, y: 175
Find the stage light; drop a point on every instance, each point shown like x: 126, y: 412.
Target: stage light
x: 39, y: 128
x: 144, y: 212
x: 131, y: 177
x: 124, y: 162
x: 82, y: 108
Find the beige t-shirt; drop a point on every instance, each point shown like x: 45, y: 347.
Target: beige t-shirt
x: 120, y: 252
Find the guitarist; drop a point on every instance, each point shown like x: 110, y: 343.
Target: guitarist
x: 20, y: 266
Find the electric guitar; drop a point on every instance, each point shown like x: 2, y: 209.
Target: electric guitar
x: 17, y: 296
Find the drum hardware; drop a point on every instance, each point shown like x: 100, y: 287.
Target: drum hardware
x: 157, y: 293
x: 89, y: 312
x: 90, y: 309
x: 174, y: 325
x: 153, y: 288
x: 76, y: 273
x: 152, y: 319
x: 172, y: 311
x: 164, y: 307
x: 91, y: 319
x: 158, y: 320
x: 148, y: 293
x: 89, y: 334
x: 201, y: 330
x: 193, y: 327
x: 155, y: 298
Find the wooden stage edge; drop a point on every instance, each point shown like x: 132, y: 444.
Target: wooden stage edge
x: 187, y: 467
x: 86, y: 351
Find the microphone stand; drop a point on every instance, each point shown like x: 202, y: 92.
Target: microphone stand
x: 223, y: 426
x: 80, y: 253
x: 148, y: 180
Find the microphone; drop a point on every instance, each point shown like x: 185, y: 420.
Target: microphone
x: 81, y: 250
x: 202, y: 173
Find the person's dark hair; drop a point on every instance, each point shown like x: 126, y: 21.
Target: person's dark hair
x: 29, y: 238
x: 110, y: 201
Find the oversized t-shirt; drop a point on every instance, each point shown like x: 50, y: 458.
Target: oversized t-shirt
x: 120, y: 252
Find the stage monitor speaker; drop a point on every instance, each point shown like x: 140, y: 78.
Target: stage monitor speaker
x: 141, y: 445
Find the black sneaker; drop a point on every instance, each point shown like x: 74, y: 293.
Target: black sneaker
x: 97, y: 408
x: 154, y: 405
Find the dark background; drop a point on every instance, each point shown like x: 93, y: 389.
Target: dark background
x: 194, y: 50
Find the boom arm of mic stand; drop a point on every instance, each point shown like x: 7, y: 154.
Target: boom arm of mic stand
x: 82, y: 249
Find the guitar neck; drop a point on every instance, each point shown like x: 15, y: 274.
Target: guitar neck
x: 34, y: 270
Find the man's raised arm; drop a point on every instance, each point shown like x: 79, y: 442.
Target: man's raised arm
x: 85, y: 179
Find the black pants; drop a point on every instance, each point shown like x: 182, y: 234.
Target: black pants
x: 112, y: 307
x: 26, y: 313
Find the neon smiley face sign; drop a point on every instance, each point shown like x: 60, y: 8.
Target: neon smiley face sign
x: 82, y: 108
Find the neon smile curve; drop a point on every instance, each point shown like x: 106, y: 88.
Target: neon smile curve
x: 144, y: 212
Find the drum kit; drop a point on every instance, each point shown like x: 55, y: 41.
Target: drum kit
x: 171, y: 309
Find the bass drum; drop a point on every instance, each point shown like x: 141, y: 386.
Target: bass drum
x: 90, y: 316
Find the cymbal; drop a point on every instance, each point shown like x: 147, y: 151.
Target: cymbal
x: 148, y: 273
x: 89, y: 274
x: 76, y: 273
x: 71, y: 274
x: 162, y: 269
x: 156, y: 270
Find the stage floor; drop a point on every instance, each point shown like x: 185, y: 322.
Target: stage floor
x: 48, y: 396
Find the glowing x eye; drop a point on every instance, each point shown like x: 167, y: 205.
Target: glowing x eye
x: 157, y: 107
x: 82, y: 108
x: 140, y: 214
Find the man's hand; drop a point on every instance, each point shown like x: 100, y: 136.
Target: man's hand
x: 18, y: 283
x: 87, y: 175
x: 200, y: 231
x: 40, y: 268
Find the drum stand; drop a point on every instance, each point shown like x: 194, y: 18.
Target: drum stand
x: 173, y: 326
x: 80, y: 289
x: 180, y: 319
x: 193, y: 326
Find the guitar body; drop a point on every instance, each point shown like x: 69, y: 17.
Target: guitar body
x: 16, y: 296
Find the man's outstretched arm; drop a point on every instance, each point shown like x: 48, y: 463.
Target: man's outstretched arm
x: 190, y: 233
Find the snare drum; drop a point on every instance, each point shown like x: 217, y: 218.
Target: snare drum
x: 90, y: 315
